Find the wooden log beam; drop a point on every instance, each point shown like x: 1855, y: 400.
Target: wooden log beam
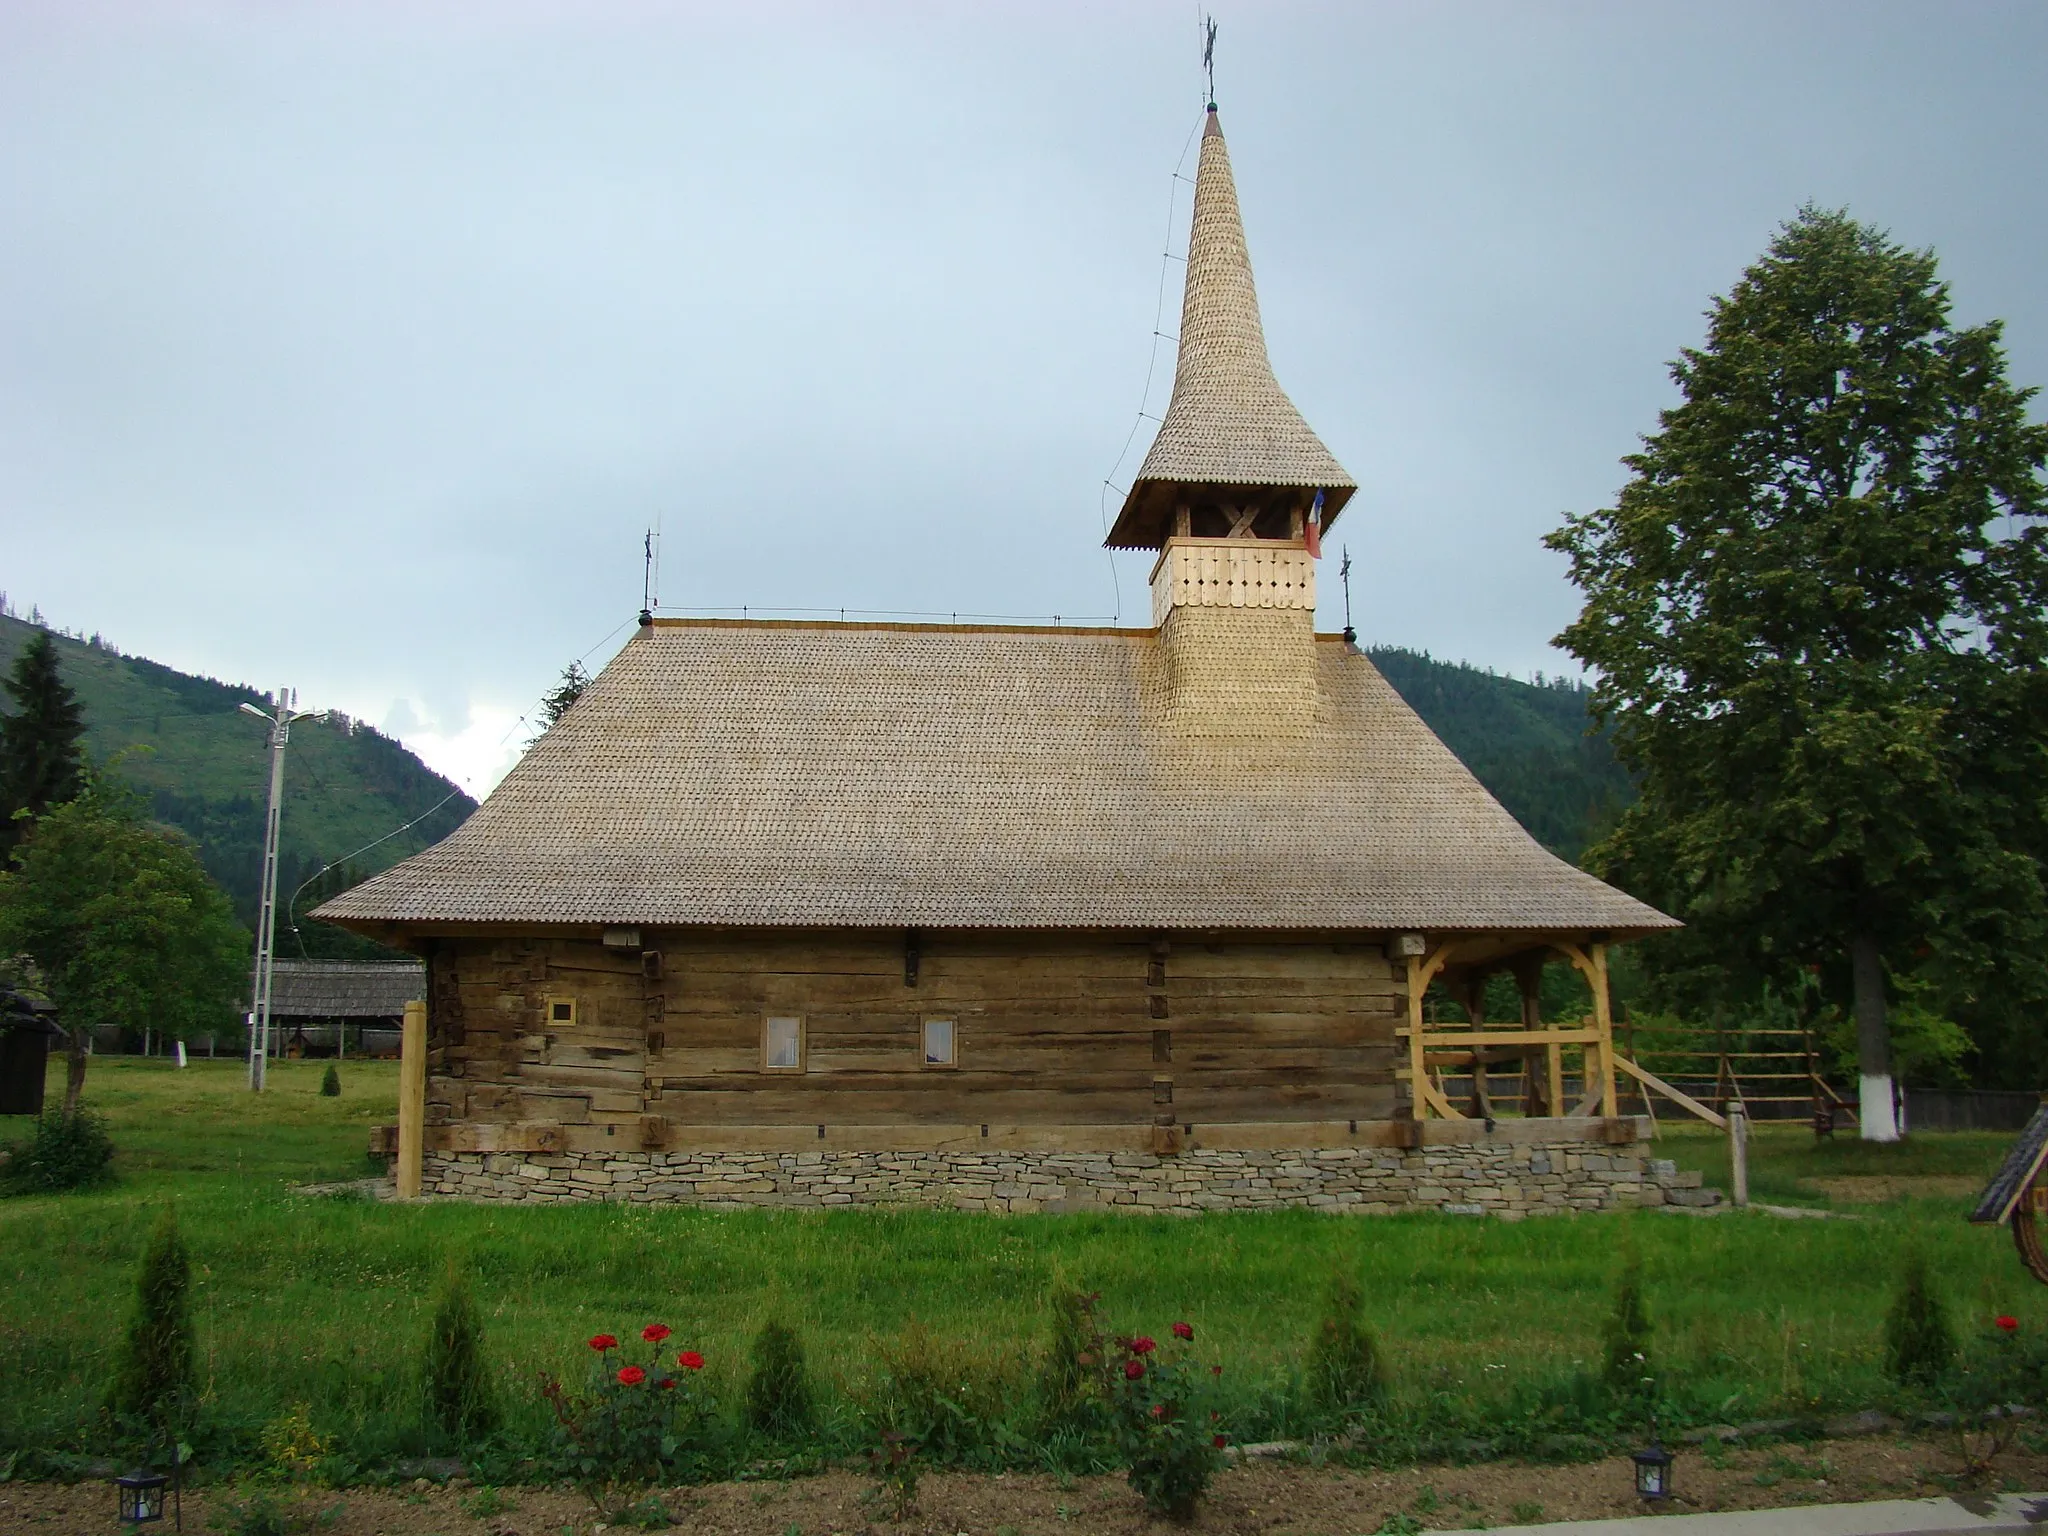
x: 1684, y: 1101
x: 412, y: 1100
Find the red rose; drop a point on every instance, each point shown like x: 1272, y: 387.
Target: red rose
x: 1143, y: 1346
x: 1133, y: 1369
x: 631, y: 1375
x: 603, y: 1342
x: 690, y: 1360
x: 1184, y: 1330
x: 654, y: 1333
x: 666, y: 1382
x: 1215, y: 1370
x: 2007, y: 1324
x: 1217, y: 1442
x: 1159, y: 1410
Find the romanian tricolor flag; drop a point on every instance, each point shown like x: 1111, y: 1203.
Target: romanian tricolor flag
x: 1312, y: 530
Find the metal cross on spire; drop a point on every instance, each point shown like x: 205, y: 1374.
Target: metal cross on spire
x: 1344, y: 570
x: 1209, y: 55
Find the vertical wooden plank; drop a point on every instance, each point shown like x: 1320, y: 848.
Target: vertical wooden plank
x: 1603, y: 1018
x: 1418, y: 984
x: 412, y: 1100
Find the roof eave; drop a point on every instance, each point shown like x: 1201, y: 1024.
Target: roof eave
x: 1147, y: 516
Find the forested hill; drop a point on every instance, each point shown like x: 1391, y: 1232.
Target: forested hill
x: 205, y: 767
x: 1526, y: 742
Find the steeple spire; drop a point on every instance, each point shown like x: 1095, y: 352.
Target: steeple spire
x: 1232, y: 441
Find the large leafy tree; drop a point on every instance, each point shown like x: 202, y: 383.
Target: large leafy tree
x: 41, y: 756
x: 123, y: 923
x: 1817, y: 616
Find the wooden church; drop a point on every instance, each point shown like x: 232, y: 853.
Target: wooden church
x: 1017, y: 916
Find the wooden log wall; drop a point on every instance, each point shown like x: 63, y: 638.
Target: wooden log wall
x: 1060, y: 1030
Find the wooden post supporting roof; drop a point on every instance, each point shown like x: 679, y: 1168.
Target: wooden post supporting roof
x: 412, y: 1101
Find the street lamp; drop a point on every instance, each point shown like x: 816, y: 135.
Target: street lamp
x: 280, y: 724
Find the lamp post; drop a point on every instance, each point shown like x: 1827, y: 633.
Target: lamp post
x: 142, y: 1496
x: 280, y: 724
x: 1653, y: 1467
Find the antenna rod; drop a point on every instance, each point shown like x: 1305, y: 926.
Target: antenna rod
x: 647, y: 580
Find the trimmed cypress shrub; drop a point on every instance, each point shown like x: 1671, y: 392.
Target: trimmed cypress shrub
x: 1626, y: 1335
x: 460, y: 1403
x: 1343, y: 1359
x: 778, y: 1387
x: 1919, y: 1344
x: 152, y: 1382
x: 330, y: 1085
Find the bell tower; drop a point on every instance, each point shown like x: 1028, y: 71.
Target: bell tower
x: 1227, y: 493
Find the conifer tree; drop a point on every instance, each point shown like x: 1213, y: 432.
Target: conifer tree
x: 41, y: 756
x: 1819, y: 615
x: 153, y: 1383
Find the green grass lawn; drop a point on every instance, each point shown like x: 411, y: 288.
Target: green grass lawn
x: 322, y: 1300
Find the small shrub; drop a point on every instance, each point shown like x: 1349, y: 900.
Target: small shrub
x: 778, y: 1387
x: 939, y: 1395
x: 1074, y: 1388
x: 1626, y: 1336
x: 893, y: 1465
x: 486, y: 1502
x: 290, y: 1443
x: 152, y: 1383
x: 2002, y: 1369
x: 62, y: 1152
x: 1171, y: 1440
x: 634, y: 1424
x: 460, y: 1403
x: 1344, y: 1362
x: 1919, y: 1344
x: 330, y: 1083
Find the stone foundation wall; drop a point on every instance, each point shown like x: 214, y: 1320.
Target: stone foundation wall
x: 1506, y: 1180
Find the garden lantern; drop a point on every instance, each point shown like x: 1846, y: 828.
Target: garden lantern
x: 1653, y: 1471
x: 142, y: 1496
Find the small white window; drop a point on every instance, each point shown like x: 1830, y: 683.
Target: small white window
x: 782, y: 1045
x: 938, y: 1042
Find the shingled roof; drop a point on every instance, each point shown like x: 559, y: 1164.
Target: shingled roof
x: 1229, y: 423
x: 345, y: 989
x: 871, y: 775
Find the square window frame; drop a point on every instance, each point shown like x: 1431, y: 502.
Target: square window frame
x: 925, y: 1023
x: 548, y: 1018
x: 803, y: 1044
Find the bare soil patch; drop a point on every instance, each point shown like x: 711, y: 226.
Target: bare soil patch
x: 1259, y: 1497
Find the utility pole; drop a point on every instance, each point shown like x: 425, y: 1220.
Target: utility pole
x: 280, y: 724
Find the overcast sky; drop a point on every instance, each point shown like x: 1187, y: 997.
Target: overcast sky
x: 353, y: 346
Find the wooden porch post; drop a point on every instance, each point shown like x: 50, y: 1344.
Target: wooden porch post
x: 1418, y: 984
x: 1603, y: 1020
x: 412, y: 1101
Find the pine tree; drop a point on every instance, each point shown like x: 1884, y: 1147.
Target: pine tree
x: 41, y: 756
x: 1344, y: 1363
x: 153, y: 1382
x: 460, y: 1402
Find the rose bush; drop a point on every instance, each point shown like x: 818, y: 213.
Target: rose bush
x: 634, y: 1423
x: 1167, y: 1428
